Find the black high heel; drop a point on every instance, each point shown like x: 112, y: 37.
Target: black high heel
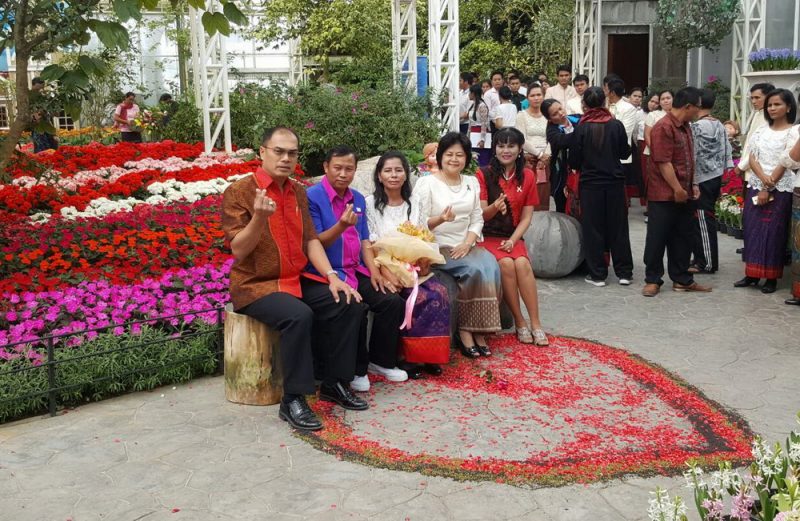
x: 469, y: 352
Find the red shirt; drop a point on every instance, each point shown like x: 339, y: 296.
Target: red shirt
x: 517, y: 197
x: 280, y: 256
x: 671, y: 143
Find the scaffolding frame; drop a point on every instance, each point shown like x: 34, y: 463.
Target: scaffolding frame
x: 210, y: 73
x: 748, y: 36
x: 586, y: 44
x: 404, y: 43
x: 444, y: 55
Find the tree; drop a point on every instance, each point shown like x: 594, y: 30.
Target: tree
x: 523, y: 35
x: 35, y: 29
x: 329, y: 28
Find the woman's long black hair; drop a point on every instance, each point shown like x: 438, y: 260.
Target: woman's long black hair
x: 477, y: 93
x: 505, y: 136
x: 381, y: 199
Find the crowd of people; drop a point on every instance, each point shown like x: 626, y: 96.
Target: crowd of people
x: 311, y: 263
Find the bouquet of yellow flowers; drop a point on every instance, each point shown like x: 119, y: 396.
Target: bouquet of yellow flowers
x: 402, y: 251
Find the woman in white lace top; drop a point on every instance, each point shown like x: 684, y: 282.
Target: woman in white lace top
x: 768, y: 203
x: 791, y: 160
x: 426, y: 343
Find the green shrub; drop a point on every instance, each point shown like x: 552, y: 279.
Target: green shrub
x: 184, y: 126
x: 155, y: 357
x: 722, y: 105
x: 369, y: 120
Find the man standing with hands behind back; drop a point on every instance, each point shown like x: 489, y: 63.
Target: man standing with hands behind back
x: 671, y: 217
x: 265, y: 217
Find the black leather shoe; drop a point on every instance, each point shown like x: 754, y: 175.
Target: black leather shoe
x: 341, y: 394
x: 739, y: 251
x: 747, y: 281
x: 792, y: 301
x: 483, y: 350
x: 299, y: 415
x: 770, y: 285
x: 414, y: 371
x: 434, y: 369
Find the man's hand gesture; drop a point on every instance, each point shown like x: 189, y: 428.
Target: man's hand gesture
x: 349, y: 217
x: 337, y: 286
x: 263, y: 206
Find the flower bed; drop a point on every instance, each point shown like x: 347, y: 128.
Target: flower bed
x: 98, y: 237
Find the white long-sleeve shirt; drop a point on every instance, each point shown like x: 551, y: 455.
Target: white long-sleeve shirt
x: 431, y: 196
x: 628, y: 115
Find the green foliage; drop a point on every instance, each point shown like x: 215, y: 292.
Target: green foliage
x: 184, y: 125
x: 528, y: 36
x: 355, y: 28
x: 686, y: 24
x: 155, y: 357
x: 722, y: 105
x: 370, y: 120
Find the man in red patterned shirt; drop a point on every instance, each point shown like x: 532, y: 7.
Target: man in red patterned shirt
x: 265, y: 217
x: 670, y: 214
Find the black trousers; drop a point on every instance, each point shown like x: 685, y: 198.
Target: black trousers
x: 558, y: 180
x: 387, y: 315
x: 704, y: 236
x: 669, y: 226
x: 295, y: 318
x: 604, y: 220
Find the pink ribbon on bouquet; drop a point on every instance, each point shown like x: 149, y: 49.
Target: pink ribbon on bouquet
x: 412, y: 299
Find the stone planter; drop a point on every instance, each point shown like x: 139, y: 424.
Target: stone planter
x: 781, y: 79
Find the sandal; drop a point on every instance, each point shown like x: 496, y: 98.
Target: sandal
x: 524, y: 335
x: 540, y: 338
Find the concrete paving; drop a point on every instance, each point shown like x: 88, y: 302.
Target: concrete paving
x: 183, y: 452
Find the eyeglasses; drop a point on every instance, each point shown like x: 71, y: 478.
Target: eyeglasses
x: 291, y: 154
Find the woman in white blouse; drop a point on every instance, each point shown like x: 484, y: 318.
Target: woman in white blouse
x: 425, y: 344
x: 449, y: 203
x: 768, y: 203
x: 533, y: 125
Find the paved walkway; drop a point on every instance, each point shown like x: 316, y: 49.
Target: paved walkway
x: 185, y: 453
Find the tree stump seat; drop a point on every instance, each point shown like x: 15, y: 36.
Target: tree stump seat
x: 253, y: 374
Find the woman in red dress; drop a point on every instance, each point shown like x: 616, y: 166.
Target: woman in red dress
x: 511, y: 188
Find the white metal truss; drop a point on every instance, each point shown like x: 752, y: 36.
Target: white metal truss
x: 586, y: 46
x: 443, y: 68
x: 748, y: 36
x: 210, y: 72
x: 296, y: 67
x: 404, y: 43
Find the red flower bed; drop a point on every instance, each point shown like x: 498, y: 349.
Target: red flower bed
x: 71, y: 159
x: 575, y: 412
x: 47, y: 198
x: 122, y: 247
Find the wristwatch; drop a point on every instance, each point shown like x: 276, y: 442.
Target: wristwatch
x: 331, y: 272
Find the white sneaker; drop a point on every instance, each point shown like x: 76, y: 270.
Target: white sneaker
x: 598, y: 283
x: 625, y: 282
x: 360, y: 383
x: 393, y: 375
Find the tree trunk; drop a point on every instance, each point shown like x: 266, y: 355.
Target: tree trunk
x: 23, y: 116
x: 253, y: 374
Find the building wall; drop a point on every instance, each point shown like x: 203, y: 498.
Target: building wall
x: 633, y: 17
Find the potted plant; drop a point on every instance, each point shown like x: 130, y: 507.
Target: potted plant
x: 769, y: 490
x: 722, y: 216
x: 780, y: 67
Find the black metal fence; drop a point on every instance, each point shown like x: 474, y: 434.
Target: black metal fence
x: 49, y: 346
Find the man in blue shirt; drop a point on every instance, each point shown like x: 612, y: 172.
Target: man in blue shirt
x: 339, y: 215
